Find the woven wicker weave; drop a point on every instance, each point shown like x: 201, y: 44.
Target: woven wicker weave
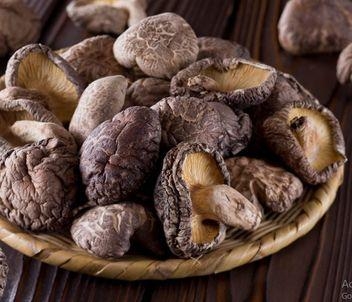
x: 276, y: 232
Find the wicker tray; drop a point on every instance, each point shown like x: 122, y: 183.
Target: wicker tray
x: 276, y: 232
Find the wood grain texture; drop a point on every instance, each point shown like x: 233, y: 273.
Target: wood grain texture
x: 311, y: 269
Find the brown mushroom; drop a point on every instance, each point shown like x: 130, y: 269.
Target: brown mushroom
x: 236, y: 82
x: 19, y: 25
x: 118, y: 155
x: 4, y: 270
x: 36, y: 67
x: 99, y: 102
x: 194, y: 202
x: 37, y: 165
x: 344, y: 65
x: 308, y: 138
x: 160, y: 45
x: 93, y: 58
x: 2, y: 82
x: 315, y: 26
x: 106, y: 16
x: 193, y: 120
x: 264, y: 183
x: 108, y: 231
x: 211, y: 47
x: 147, y: 92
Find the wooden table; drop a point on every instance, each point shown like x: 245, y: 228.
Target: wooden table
x: 311, y: 269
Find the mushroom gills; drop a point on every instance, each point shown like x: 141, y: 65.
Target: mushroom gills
x: 213, y: 202
x: 241, y: 76
x: 313, y: 133
x: 37, y: 72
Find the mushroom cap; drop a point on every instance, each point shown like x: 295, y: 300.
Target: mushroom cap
x: 4, y: 270
x: 174, y: 205
x: 38, y: 165
x: 106, y: 231
x: 37, y: 67
x: 147, y: 92
x: 329, y: 24
x: 344, y: 65
x: 308, y: 138
x: 118, y: 155
x: 93, y: 58
x: 261, y: 182
x: 99, y: 102
x: 193, y: 120
x: 212, y: 47
x: 160, y: 45
x: 18, y: 25
x: 233, y: 81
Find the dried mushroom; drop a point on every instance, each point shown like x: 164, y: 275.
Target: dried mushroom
x: 315, y: 26
x: 4, y: 270
x: 194, y: 202
x: 19, y: 25
x: 37, y: 165
x: 193, y: 120
x: 109, y: 231
x: 147, y: 92
x: 308, y: 138
x: 2, y: 83
x: 344, y: 65
x: 99, y: 102
x: 118, y: 155
x: 36, y: 67
x: 160, y: 45
x: 263, y: 183
x: 236, y: 82
x: 93, y: 58
x: 211, y: 47
x: 106, y: 16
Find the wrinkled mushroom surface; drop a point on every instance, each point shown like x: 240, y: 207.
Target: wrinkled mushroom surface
x: 147, y: 92
x: 93, y: 58
x: 211, y: 47
x: 264, y: 183
x: 344, y: 65
x: 160, y: 45
x: 38, y: 68
x: 37, y: 166
x: 4, y: 270
x: 108, y: 231
x: 106, y: 16
x: 99, y: 102
x: 18, y: 25
x: 236, y: 82
x: 118, y: 155
x: 193, y: 120
x: 308, y: 138
x: 315, y: 26
x: 194, y: 202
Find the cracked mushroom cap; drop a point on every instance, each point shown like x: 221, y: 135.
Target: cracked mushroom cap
x: 147, y: 92
x: 328, y: 22
x: 193, y: 120
x: 4, y: 270
x: 236, y: 82
x: 211, y: 47
x: 344, y: 65
x: 93, y: 58
x: 18, y: 26
x: 118, y: 155
x: 37, y: 166
x: 194, y: 202
x: 109, y: 231
x: 99, y: 102
x: 106, y: 16
x: 264, y: 183
x: 37, y: 67
x: 160, y: 45
x: 308, y: 139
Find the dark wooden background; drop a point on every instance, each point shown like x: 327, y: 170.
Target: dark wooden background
x: 311, y: 269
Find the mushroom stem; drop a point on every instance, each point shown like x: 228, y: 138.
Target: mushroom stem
x: 201, y: 81
x: 225, y: 204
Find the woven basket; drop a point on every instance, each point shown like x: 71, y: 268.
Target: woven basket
x: 276, y: 232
